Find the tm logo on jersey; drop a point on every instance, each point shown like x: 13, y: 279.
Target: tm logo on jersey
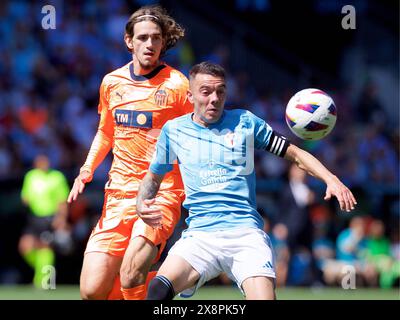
x: 133, y: 118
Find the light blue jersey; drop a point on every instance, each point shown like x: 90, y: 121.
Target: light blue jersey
x: 217, y: 167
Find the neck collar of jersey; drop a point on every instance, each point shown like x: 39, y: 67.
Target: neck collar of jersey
x: 145, y: 77
x: 211, y: 125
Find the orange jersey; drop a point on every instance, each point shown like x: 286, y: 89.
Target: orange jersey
x: 132, y: 111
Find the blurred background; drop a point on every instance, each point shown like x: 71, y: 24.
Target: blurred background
x: 49, y: 82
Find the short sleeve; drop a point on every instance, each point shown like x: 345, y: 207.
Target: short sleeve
x: 106, y: 123
x: 103, y: 97
x: 262, y: 132
x: 164, y: 155
x: 268, y: 139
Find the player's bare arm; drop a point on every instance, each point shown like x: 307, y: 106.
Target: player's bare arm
x: 148, y: 189
x: 79, y: 185
x: 314, y: 167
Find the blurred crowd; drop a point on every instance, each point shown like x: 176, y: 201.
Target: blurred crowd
x: 49, y: 81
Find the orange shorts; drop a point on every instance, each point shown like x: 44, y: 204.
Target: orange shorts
x: 119, y: 223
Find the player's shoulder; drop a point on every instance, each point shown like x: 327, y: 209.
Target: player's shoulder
x: 174, y: 77
x: 178, y: 122
x: 115, y: 75
x: 34, y: 174
x: 245, y: 117
x: 240, y: 113
x: 31, y: 173
x: 57, y: 173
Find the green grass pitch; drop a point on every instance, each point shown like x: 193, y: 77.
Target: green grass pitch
x: 63, y: 292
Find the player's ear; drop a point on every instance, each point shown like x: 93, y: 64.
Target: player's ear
x: 128, y: 41
x: 190, y: 96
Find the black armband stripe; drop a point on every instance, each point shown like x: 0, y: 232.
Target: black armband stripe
x: 277, y: 144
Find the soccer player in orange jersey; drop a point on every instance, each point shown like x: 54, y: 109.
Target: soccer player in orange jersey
x: 135, y: 102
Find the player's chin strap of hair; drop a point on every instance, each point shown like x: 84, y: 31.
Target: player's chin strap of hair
x: 147, y: 16
x: 277, y: 144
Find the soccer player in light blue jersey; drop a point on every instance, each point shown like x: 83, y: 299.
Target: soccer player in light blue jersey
x: 215, y: 151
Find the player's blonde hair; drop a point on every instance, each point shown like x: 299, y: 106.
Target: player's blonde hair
x: 171, y: 30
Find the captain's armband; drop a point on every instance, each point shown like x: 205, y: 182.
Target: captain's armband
x: 277, y: 144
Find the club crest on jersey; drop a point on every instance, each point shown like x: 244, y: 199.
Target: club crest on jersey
x: 161, y: 97
x: 230, y: 139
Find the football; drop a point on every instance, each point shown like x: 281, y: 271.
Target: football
x: 311, y: 114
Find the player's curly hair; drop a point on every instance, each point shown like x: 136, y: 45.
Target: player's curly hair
x: 171, y: 30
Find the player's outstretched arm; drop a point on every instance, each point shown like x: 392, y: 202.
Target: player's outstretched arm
x: 314, y: 167
x: 145, y: 200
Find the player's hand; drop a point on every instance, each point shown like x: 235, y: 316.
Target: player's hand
x: 79, y: 184
x: 150, y: 214
x: 345, y: 197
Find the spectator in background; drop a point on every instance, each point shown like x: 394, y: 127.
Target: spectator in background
x: 279, y: 242
x: 5, y: 157
x: 378, y: 156
x: 379, y: 255
x: 351, y: 248
x: 219, y: 55
x: 33, y: 117
x: 369, y: 108
x: 44, y: 192
x: 323, y: 247
x: 252, y: 5
x: 395, y: 252
x: 295, y: 201
x: 323, y: 250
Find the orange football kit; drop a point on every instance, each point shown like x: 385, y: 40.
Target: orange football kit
x: 132, y: 111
